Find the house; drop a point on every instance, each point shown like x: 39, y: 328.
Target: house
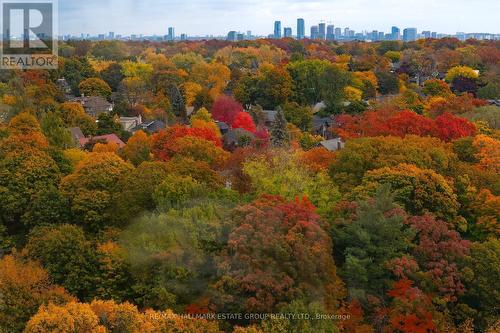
x: 77, y: 135
x: 152, y: 126
x: 223, y: 127
x: 333, y: 144
x: 107, y: 138
x: 321, y: 126
x: 129, y: 123
x: 270, y: 117
x: 237, y: 137
x: 64, y: 86
x: 94, y: 105
x: 80, y: 139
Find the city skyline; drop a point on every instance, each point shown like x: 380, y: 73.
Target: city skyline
x: 196, y: 17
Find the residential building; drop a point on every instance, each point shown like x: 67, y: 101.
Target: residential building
x: 426, y: 34
x: 301, y: 28
x: 94, y: 105
x: 128, y: 123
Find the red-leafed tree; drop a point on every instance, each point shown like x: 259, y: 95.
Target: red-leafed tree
x: 448, y: 127
x: 245, y: 121
x: 410, y: 311
x: 437, y: 251
x: 164, y: 142
x: 277, y: 252
x: 225, y: 109
x: 408, y: 122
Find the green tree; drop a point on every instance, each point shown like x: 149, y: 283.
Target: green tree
x: 91, y: 186
x: 367, y: 241
x: 94, y: 87
x: 55, y: 131
x: 300, y: 116
x: 483, y: 290
x: 68, y: 257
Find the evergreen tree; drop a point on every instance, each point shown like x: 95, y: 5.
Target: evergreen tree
x: 178, y: 105
x: 279, y: 131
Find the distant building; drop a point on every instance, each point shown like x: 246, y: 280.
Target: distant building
x: 240, y: 37
x: 338, y: 33
x: 277, y: 29
x: 314, y: 32
x: 287, y: 32
x: 171, y: 33
x: 232, y: 36
x: 374, y: 35
x: 433, y: 34
x: 94, y: 105
x: 301, y: 28
x: 111, y: 35
x: 346, y: 32
x: 184, y: 37
x: 381, y: 35
x: 322, y: 31
x: 395, y: 33
x: 410, y: 34
x: 426, y: 34
x: 330, y: 32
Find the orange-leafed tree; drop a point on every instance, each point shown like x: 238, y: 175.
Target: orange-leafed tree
x: 138, y: 148
x: 24, y: 286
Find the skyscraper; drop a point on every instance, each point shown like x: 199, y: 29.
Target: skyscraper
x: 338, y: 33
x: 277, y: 29
x: 322, y: 31
x: 231, y: 36
x: 330, y: 32
x: 395, y: 33
x: 287, y: 33
x: 171, y: 33
x: 314, y: 32
x: 301, y: 28
x: 410, y: 34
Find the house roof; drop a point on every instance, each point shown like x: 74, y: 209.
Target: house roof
x: 234, y: 134
x: 94, y: 102
x: 270, y: 115
x: 76, y: 133
x: 109, y: 138
x: 333, y: 144
x: 222, y: 125
x: 150, y: 126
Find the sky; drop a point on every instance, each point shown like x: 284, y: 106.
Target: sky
x: 217, y: 17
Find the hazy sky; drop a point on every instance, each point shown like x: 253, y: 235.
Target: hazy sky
x: 217, y: 17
